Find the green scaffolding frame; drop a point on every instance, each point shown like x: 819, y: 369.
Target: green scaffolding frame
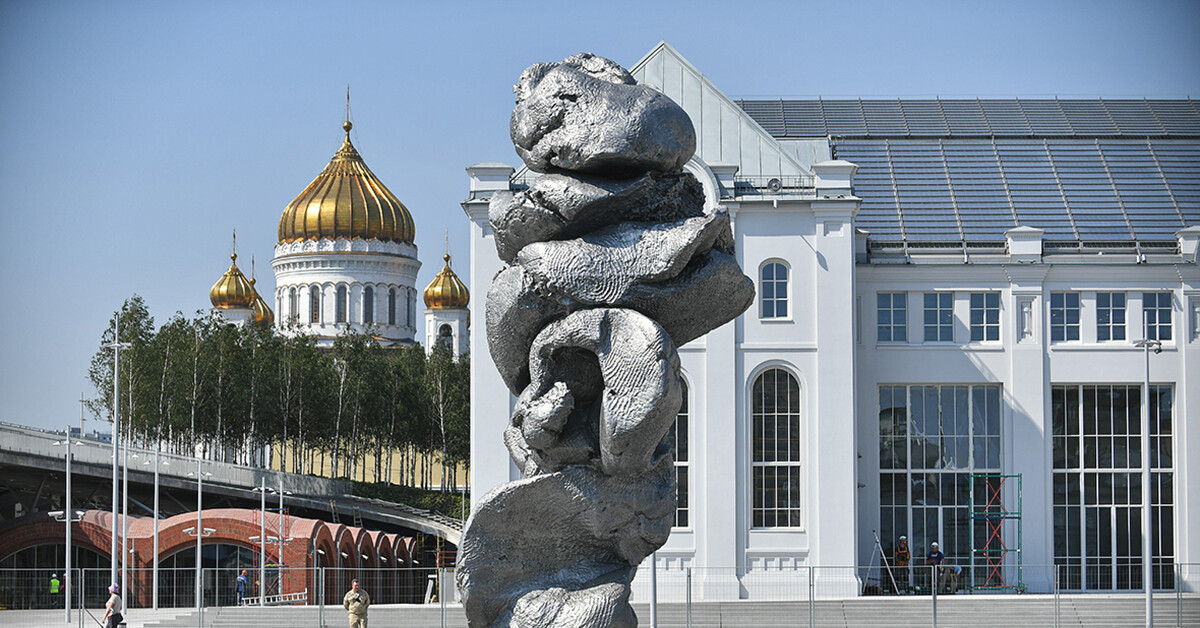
x: 995, y: 557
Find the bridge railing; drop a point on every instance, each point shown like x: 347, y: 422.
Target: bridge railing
x: 28, y: 440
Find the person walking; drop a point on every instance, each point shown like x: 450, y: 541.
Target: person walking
x: 902, y: 559
x: 356, y: 602
x: 112, y: 609
x: 240, y: 587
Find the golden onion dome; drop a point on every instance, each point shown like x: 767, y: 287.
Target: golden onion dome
x: 446, y: 291
x: 232, y: 290
x: 263, y: 316
x: 348, y: 201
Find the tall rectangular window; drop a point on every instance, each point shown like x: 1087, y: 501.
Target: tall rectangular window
x: 892, y: 316
x: 939, y: 316
x: 774, y: 289
x: 392, y: 306
x: 776, y: 433
x: 932, y: 439
x: 341, y: 305
x: 680, y: 434
x: 314, y: 304
x: 1110, y: 316
x: 1064, y: 316
x: 1156, y: 309
x: 1096, y: 436
x: 368, y: 305
x: 985, y: 316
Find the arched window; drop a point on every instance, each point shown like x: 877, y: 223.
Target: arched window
x: 369, y: 305
x: 314, y: 304
x: 342, y: 303
x: 776, y: 432
x: 680, y: 433
x: 392, y: 306
x: 445, y: 337
x: 773, y: 290
x: 294, y: 304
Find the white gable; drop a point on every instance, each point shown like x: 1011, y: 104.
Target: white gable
x: 724, y: 133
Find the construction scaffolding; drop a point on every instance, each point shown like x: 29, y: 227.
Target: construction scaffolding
x: 996, y: 565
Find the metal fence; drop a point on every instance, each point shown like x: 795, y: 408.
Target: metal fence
x: 673, y: 595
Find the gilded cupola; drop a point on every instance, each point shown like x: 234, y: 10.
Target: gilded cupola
x: 446, y: 291
x: 263, y: 316
x: 232, y: 290
x: 346, y: 201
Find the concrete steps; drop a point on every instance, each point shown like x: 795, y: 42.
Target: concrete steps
x: 965, y: 611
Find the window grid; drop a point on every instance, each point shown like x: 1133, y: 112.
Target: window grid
x: 774, y: 291
x: 314, y: 304
x: 939, y: 316
x: 680, y: 435
x: 892, y: 316
x: 1064, y: 316
x: 776, y: 417
x: 1096, y: 439
x: 1110, y: 316
x: 985, y: 316
x: 931, y: 439
x: 1156, y: 311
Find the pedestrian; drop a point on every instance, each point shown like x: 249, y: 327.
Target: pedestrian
x: 934, y: 560
x: 902, y: 557
x: 240, y: 587
x: 112, y: 609
x: 357, y: 601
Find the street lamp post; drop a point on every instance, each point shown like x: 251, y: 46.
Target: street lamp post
x: 262, y: 540
x: 157, y: 465
x: 116, y: 345
x: 200, y: 530
x: 1147, y: 545
x: 69, y: 517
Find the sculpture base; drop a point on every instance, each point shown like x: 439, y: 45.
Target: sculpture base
x: 561, y: 549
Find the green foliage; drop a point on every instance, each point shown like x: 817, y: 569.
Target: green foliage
x: 449, y: 504
x: 236, y: 393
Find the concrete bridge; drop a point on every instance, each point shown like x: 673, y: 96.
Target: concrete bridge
x: 33, y: 479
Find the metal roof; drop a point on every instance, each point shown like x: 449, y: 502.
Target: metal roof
x: 968, y: 170
x: 1014, y: 117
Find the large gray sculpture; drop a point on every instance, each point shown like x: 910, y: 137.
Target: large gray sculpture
x: 613, y: 263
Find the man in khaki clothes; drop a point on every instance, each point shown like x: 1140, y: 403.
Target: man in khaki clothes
x: 357, y: 601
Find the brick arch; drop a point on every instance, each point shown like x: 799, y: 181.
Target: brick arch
x: 233, y: 526
x: 39, y: 529
x: 365, y: 546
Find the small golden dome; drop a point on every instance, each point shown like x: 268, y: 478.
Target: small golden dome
x: 263, y: 316
x: 446, y: 291
x: 348, y: 201
x: 232, y: 290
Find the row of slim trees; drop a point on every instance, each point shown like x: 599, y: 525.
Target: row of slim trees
x: 252, y: 396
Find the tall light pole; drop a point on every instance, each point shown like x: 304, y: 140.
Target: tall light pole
x: 1147, y: 545
x: 200, y: 530
x: 116, y: 345
x: 154, y: 560
x: 69, y: 517
x: 262, y: 540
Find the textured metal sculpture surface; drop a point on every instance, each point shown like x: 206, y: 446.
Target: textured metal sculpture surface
x: 613, y: 263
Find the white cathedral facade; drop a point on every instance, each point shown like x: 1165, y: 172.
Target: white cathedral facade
x: 943, y: 343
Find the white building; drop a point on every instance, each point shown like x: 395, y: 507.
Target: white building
x: 947, y: 290
x: 345, y: 258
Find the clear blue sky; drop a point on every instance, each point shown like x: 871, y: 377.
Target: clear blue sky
x: 135, y: 136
